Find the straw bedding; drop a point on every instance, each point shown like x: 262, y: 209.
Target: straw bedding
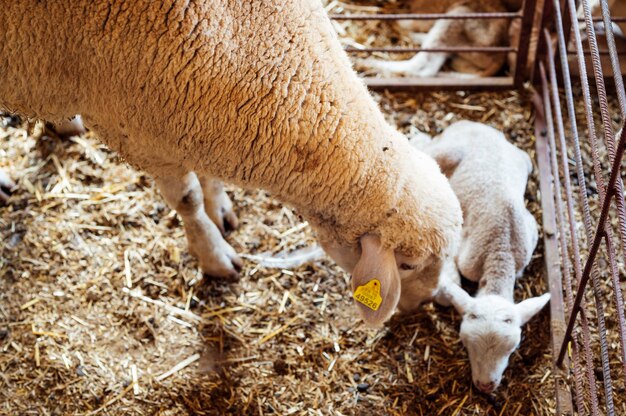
x: 102, y: 309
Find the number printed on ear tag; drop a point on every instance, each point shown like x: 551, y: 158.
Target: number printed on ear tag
x: 369, y: 294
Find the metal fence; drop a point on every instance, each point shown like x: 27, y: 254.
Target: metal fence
x: 517, y: 75
x: 580, y: 161
x: 580, y: 146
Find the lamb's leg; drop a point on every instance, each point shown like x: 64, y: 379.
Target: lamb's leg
x: 6, y: 186
x: 184, y: 194
x: 531, y: 236
x: 426, y: 64
x: 468, y: 263
x: 449, y: 276
x: 218, y: 205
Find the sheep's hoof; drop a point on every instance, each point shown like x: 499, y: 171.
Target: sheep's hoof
x: 229, y: 272
x: 6, y: 187
x: 222, y: 214
x: 221, y: 264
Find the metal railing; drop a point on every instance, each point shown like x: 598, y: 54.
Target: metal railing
x: 519, y: 73
x: 581, y: 325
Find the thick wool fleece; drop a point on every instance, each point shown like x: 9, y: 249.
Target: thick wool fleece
x: 258, y: 93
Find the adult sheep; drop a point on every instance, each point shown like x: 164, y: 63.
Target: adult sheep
x: 258, y: 93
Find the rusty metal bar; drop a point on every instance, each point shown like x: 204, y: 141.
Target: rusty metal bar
x: 429, y: 16
x: 562, y: 236
x: 439, y: 83
x: 599, y: 235
x: 615, y: 19
x: 547, y: 17
x: 534, y: 55
x: 528, y: 15
x: 547, y: 177
x: 391, y: 49
x: 602, y: 231
x: 619, y: 186
x: 568, y: 22
x: 590, y: 270
x: 437, y: 16
x: 495, y: 83
x: 600, y: 51
x: 617, y: 72
x: 591, y: 380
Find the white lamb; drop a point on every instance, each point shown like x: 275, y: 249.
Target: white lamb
x: 258, y: 93
x: 499, y: 235
x: 454, y: 32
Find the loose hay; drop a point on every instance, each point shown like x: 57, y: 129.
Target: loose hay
x: 103, y: 311
x: 361, y: 34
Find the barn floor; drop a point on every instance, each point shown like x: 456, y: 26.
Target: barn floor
x: 74, y: 339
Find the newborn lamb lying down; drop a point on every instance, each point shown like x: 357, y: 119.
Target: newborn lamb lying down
x: 499, y: 235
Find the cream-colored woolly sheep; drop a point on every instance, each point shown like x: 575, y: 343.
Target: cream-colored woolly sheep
x: 488, y: 175
x: 256, y: 93
x: 453, y: 32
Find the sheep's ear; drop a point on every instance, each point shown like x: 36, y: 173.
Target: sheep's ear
x: 375, y: 282
x: 530, y: 307
x: 460, y: 299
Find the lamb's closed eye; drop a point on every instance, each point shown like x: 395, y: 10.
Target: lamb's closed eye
x: 406, y: 266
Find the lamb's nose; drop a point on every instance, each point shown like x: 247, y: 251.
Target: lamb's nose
x: 486, y: 387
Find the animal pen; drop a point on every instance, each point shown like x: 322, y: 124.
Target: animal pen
x: 97, y: 318
x: 579, y: 153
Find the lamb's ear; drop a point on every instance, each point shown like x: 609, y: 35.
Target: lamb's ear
x: 459, y: 298
x: 530, y: 307
x: 375, y: 282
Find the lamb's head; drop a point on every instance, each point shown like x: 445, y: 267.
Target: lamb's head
x: 414, y: 223
x: 491, y: 330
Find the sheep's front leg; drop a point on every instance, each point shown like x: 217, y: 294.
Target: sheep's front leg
x: 218, y: 205
x: 6, y: 187
x: 216, y: 257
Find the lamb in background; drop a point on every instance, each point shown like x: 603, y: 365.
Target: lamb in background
x: 499, y: 235
x: 256, y: 93
x: 447, y: 33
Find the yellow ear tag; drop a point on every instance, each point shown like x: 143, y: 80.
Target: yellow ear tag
x: 369, y: 294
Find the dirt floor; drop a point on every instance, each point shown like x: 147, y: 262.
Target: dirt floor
x: 74, y: 339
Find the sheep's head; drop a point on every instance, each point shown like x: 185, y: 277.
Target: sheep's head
x: 491, y: 331
x: 399, y: 252
x: 383, y: 279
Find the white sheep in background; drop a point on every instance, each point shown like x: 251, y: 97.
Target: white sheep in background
x: 499, y: 235
x: 453, y: 32
x: 258, y: 93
